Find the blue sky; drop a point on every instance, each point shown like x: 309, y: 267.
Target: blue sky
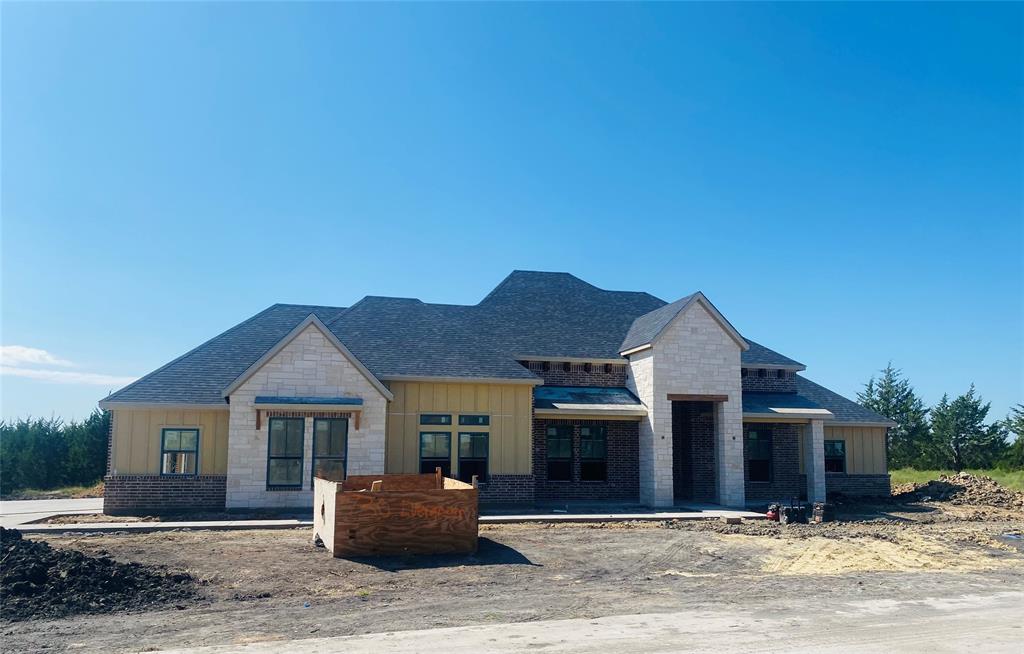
x: 843, y: 181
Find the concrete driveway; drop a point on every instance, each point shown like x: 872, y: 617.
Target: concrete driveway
x: 19, y: 512
x: 985, y: 623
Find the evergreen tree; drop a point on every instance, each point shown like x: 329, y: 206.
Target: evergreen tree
x: 893, y: 397
x: 1014, y: 423
x: 960, y: 437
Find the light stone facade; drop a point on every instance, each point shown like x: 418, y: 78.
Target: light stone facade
x: 308, y: 366
x: 814, y: 460
x: 694, y: 355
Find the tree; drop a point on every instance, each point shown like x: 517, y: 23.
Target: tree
x: 960, y: 437
x: 893, y: 397
x: 1014, y: 423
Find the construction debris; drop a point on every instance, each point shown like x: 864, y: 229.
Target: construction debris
x: 41, y: 582
x: 962, y: 488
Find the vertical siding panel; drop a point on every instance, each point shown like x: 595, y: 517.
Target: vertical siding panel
x: 467, y: 403
x: 440, y: 397
x: 124, y: 443
x: 222, y: 442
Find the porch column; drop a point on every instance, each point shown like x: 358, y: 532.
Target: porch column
x: 814, y: 460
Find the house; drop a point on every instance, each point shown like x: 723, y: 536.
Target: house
x: 547, y: 390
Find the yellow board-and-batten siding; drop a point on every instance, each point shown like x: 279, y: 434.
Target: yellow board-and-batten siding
x: 137, y: 434
x: 865, y: 449
x: 508, y: 405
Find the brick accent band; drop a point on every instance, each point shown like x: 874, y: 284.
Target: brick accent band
x: 142, y: 494
x: 858, y: 485
x: 506, y: 489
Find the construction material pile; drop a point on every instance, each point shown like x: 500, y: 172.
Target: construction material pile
x: 38, y: 581
x: 962, y: 488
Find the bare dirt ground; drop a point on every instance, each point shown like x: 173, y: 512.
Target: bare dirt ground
x: 275, y: 585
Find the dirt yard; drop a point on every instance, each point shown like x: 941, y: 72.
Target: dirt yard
x: 267, y: 585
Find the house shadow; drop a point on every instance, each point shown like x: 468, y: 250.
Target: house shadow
x: 488, y: 552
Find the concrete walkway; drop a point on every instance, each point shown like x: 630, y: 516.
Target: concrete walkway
x: 984, y: 623
x: 19, y: 512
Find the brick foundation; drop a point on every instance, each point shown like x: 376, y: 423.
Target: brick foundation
x: 623, y: 479
x: 693, y: 451
x: 857, y: 485
x: 555, y: 373
x: 143, y: 494
x: 506, y: 489
x: 770, y: 382
x: 785, y: 471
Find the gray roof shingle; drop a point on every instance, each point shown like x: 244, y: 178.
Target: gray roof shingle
x: 843, y: 409
x: 537, y: 314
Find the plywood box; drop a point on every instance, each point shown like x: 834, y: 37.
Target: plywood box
x: 371, y: 515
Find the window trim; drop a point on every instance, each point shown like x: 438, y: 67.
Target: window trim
x: 486, y: 458
x: 834, y: 458
x: 301, y: 457
x: 313, y: 457
x: 771, y: 455
x: 603, y: 430
x: 419, y: 449
x: 163, y: 450
x: 548, y: 458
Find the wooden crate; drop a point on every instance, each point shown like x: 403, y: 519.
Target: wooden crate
x: 370, y: 515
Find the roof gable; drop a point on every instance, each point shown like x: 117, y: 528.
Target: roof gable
x: 311, y: 321
x: 646, y: 329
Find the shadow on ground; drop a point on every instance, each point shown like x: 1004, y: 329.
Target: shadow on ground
x: 488, y: 552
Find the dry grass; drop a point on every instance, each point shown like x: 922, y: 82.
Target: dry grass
x: 1010, y: 479
x: 65, y: 493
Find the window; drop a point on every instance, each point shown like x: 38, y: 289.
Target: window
x: 179, y: 451
x: 559, y: 444
x: 436, y: 452
x: 593, y: 454
x: 330, y: 445
x: 472, y: 456
x: 780, y: 373
x: 435, y: 419
x: 759, y: 456
x: 835, y: 456
x: 284, y: 453
x: 476, y: 421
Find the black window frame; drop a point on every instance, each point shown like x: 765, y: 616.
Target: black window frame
x: 442, y: 419
x: 330, y: 457
x: 435, y: 462
x: 486, y: 458
x: 841, y: 458
x: 273, y: 457
x: 588, y: 463
x: 164, y: 450
x: 467, y: 420
x: 562, y: 462
x: 765, y: 437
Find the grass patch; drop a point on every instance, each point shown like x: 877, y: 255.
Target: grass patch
x: 1009, y: 478
x: 65, y: 493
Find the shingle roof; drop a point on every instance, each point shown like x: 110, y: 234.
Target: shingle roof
x: 757, y: 402
x: 529, y: 314
x: 843, y: 409
x: 647, y: 327
x: 549, y: 397
x: 759, y: 355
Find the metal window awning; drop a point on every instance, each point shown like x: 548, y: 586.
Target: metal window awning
x: 789, y: 406
x: 315, y: 406
x: 589, y: 401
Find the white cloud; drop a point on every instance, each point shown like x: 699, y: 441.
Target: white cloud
x: 67, y: 377
x: 19, y: 355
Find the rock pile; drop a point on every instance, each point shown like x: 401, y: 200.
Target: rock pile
x: 38, y: 581
x: 962, y: 488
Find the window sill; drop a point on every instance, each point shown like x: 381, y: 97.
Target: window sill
x: 278, y: 489
x: 179, y: 475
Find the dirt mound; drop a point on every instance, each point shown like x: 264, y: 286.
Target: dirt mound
x: 962, y: 488
x: 37, y: 581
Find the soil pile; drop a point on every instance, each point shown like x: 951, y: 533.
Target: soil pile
x: 37, y: 581
x: 962, y: 488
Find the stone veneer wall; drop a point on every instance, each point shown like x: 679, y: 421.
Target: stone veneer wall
x: 694, y: 355
x: 786, y: 481
x: 623, y: 481
x: 309, y: 365
x: 556, y: 373
x: 771, y: 382
x: 857, y: 485
x: 142, y: 494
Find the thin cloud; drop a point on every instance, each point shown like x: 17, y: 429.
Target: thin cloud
x: 67, y: 377
x: 19, y: 355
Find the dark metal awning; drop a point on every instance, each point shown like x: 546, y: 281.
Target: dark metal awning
x: 782, y: 405
x: 554, y: 401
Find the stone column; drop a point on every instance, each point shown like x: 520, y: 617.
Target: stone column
x: 729, y: 453
x: 814, y: 460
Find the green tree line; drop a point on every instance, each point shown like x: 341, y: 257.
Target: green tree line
x: 953, y: 434
x: 49, y: 453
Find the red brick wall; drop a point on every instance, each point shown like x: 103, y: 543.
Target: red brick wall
x: 693, y: 451
x: 623, y: 480
x: 146, y: 494
x: 770, y: 382
x: 785, y: 481
x: 556, y: 373
x: 506, y: 489
x: 857, y: 485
